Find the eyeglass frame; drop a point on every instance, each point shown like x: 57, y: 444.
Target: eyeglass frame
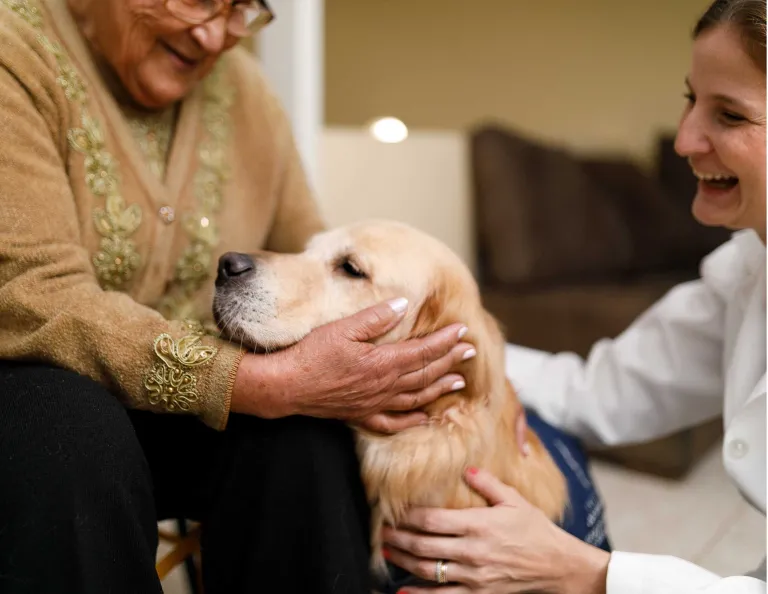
x: 220, y: 11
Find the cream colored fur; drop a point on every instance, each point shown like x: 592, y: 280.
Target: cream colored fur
x: 289, y: 295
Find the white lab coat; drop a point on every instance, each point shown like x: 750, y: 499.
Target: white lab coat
x: 698, y: 353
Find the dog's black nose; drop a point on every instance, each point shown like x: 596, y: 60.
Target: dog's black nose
x: 233, y: 264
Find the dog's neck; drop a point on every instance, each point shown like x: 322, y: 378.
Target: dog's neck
x: 487, y: 387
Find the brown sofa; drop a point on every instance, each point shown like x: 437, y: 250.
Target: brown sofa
x: 571, y: 249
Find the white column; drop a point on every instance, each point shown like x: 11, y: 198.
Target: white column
x: 291, y: 51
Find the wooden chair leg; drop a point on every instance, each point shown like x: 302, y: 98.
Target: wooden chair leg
x: 184, y: 547
x: 193, y: 575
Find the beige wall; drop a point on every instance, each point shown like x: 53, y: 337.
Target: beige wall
x: 593, y: 74
x: 423, y: 181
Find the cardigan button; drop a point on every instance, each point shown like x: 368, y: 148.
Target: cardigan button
x: 737, y: 449
x: 167, y: 214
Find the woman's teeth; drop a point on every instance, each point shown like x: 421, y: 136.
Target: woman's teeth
x: 714, y: 176
x: 717, y: 180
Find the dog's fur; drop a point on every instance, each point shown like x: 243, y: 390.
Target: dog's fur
x: 286, y: 296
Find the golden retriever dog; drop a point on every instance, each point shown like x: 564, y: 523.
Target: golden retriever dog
x: 345, y: 270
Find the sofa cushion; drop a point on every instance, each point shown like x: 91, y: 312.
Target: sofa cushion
x: 546, y: 216
x: 539, y: 216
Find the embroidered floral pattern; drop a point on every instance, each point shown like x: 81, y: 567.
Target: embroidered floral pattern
x: 170, y: 382
x: 193, y: 268
x: 153, y: 133
x: 117, y: 258
x: 26, y: 11
x: 68, y: 79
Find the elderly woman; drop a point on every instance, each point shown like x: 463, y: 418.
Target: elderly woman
x: 138, y: 143
x: 697, y: 354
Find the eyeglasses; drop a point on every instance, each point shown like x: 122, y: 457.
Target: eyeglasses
x: 244, y: 18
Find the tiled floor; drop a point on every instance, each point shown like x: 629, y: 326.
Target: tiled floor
x: 702, y: 518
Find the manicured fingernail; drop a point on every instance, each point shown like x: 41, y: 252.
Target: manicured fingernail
x: 463, y: 332
x: 399, y: 305
x: 458, y: 385
x: 472, y: 470
x: 386, y: 553
x: 468, y: 354
x: 526, y: 449
x: 403, y: 592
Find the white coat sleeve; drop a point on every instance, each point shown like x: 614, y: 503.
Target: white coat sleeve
x: 634, y: 573
x: 663, y: 373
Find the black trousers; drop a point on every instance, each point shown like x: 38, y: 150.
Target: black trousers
x: 83, y: 482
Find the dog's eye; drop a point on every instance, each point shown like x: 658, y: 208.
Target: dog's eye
x: 351, y: 269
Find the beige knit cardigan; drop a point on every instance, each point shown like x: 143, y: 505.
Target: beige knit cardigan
x: 106, y: 268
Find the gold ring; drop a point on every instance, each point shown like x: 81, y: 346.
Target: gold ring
x: 441, y: 571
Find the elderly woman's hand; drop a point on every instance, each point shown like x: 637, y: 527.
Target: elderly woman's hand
x: 506, y: 548
x: 334, y: 372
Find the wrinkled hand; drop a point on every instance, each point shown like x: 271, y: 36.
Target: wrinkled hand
x: 335, y: 372
x: 509, y: 547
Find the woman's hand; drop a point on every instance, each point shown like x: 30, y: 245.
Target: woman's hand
x: 334, y: 372
x: 507, y: 548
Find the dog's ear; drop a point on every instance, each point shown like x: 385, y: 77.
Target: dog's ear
x: 447, y: 305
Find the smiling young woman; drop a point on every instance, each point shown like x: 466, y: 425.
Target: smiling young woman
x: 722, y: 131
